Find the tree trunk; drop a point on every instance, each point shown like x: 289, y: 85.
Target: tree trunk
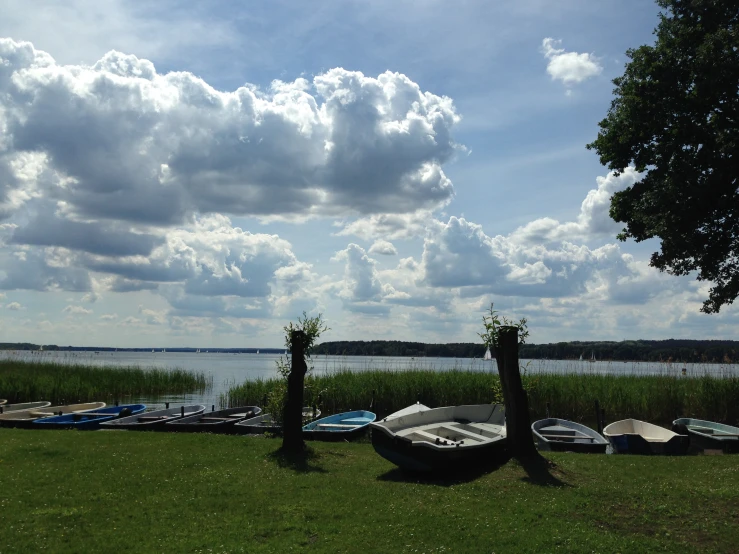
x: 518, y: 424
x: 292, y: 416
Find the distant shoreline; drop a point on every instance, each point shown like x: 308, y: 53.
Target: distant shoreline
x: 666, y: 351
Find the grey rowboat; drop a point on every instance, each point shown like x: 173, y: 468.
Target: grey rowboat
x: 155, y: 420
x: 25, y: 418
x: 25, y: 406
x: 215, y: 421
x: 708, y: 435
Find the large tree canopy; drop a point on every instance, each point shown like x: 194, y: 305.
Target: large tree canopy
x: 674, y: 117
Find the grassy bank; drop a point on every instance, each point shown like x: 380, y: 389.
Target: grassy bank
x: 655, y: 398
x: 69, y: 491
x: 62, y: 383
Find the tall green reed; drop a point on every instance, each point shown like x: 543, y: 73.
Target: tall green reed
x: 22, y: 381
x: 655, y: 398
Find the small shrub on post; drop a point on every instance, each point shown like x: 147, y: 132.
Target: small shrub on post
x: 503, y: 337
x: 299, y: 339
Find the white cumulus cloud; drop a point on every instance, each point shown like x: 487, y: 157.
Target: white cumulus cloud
x: 569, y: 67
x: 76, y: 310
x: 383, y: 247
x: 119, y: 141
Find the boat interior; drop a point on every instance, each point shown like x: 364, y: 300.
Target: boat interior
x: 454, y: 433
x: 716, y: 433
x: 345, y: 424
x: 561, y: 433
x: 647, y: 431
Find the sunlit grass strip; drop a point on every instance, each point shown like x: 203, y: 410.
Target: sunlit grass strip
x: 656, y: 398
x: 62, y: 383
x: 170, y: 492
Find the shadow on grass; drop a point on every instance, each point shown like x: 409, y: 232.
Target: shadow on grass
x: 541, y: 472
x: 301, y: 462
x: 444, y: 478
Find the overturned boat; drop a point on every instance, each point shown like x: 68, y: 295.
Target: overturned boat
x: 442, y: 438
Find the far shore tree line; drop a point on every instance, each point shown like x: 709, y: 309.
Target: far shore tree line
x: 672, y: 350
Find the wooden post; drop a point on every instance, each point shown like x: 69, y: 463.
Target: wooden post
x: 292, y: 415
x: 518, y: 423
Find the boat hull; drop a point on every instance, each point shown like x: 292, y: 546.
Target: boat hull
x: 343, y: 426
x: 707, y: 435
x: 569, y: 437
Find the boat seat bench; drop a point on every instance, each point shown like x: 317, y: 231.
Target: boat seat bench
x: 463, y: 432
x: 431, y: 437
x: 338, y: 425
x: 561, y: 437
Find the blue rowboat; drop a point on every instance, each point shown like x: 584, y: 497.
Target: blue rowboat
x: 89, y: 420
x: 346, y: 425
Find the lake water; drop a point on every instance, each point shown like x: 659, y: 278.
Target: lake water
x: 226, y: 370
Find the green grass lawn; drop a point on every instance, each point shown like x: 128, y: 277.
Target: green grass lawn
x: 111, y: 491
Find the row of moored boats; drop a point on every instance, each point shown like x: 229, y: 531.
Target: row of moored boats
x: 422, y: 438
x: 416, y: 438
x: 243, y: 420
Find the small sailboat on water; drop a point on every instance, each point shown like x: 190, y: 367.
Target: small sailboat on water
x: 487, y: 355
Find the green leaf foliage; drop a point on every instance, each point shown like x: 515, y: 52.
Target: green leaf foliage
x: 674, y: 118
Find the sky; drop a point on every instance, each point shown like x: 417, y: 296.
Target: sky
x: 200, y: 174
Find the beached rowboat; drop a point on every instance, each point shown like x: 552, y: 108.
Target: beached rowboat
x: 215, y: 421
x: 265, y: 424
x: 347, y: 425
x: 631, y: 436
x: 708, y: 435
x: 154, y: 420
x: 25, y: 418
x: 561, y: 435
x: 89, y: 420
x: 24, y: 406
x: 450, y: 438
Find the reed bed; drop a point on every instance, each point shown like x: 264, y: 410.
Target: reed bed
x: 22, y: 381
x: 655, y: 398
